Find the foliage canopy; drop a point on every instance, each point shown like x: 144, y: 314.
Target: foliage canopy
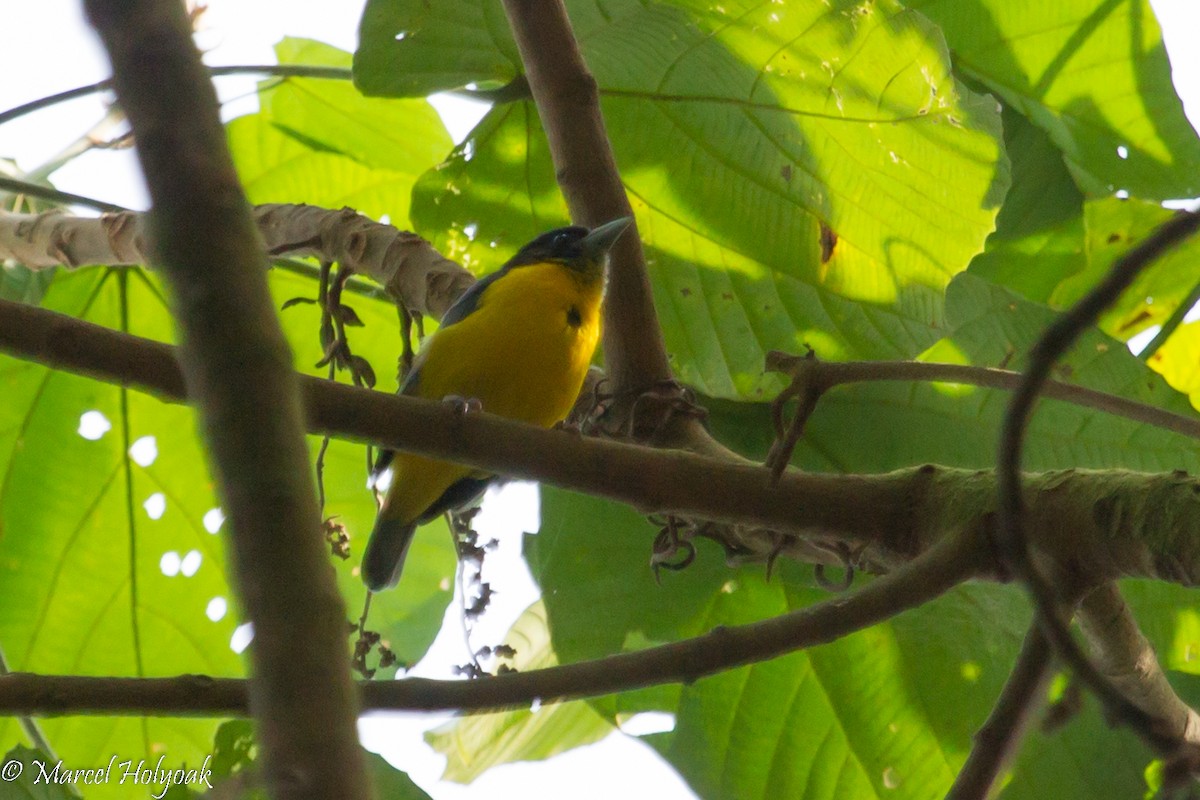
x: 927, y: 181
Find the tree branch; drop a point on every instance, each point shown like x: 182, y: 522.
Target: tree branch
x: 568, y: 103
x: 1011, y: 536
x: 237, y: 368
x: 410, y: 270
x: 824, y: 375
x: 280, y: 70
x: 1104, y: 524
x: 55, y: 195
x: 1125, y: 657
x: 933, y: 573
x: 1000, y: 736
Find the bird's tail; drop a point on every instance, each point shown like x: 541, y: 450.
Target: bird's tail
x: 386, y: 549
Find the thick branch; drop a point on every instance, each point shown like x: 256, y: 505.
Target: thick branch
x: 237, y: 368
x: 938, y: 570
x: 412, y: 272
x: 1123, y: 654
x: 1103, y: 524
x: 1012, y: 532
x: 568, y: 103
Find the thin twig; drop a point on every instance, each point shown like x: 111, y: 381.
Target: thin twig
x: 928, y: 576
x: 1172, y: 324
x: 55, y: 195
x: 825, y: 375
x: 1011, y: 538
x: 997, y: 740
x: 283, y: 70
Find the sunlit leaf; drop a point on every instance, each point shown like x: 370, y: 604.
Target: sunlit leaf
x: 477, y: 743
x: 1094, y: 75
x: 818, y: 188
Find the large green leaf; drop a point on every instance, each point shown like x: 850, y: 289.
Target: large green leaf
x: 1178, y: 360
x: 477, y: 743
x: 30, y: 782
x: 278, y: 168
x: 1038, y: 241
x: 884, y: 426
x: 415, y: 49
x: 1113, y: 227
x: 888, y: 712
x: 403, y: 136
x: 1094, y: 75
x: 321, y: 142
x: 790, y: 188
x: 91, y: 540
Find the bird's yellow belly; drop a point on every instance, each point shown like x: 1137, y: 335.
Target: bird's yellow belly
x: 523, y: 353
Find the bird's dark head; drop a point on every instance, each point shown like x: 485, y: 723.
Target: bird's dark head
x: 574, y: 247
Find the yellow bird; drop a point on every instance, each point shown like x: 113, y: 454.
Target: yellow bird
x: 519, y: 341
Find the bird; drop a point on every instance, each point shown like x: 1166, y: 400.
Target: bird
x: 519, y: 342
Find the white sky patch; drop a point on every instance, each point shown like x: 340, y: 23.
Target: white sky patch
x: 460, y: 114
x: 381, y: 483
x: 243, y: 635
x: 93, y: 425
x: 214, y: 518
x: 144, y: 451
x: 648, y: 722
x: 169, y: 563
x: 1137, y: 343
x: 216, y: 609
x: 155, y: 505
x: 191, y: 563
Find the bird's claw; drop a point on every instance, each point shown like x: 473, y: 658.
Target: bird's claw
x: 463, y: 405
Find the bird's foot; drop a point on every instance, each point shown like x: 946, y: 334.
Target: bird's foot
x: 463, y: 405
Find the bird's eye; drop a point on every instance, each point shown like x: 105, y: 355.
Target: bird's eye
x: 561, y: 240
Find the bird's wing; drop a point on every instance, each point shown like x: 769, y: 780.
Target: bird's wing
x: 462, y: 308
x: 469, y: 300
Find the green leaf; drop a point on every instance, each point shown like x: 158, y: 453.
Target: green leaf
x: 31, y: 783
x: 775, y: 211
x: 1178, y: 360
x: 477, y: 743
x: 233, y: 748
x: 23, y: 285
x: 391, y: 783
x: 409, y: 49
x: 1094, y: 75
x: 1038, y: 241
x: 403, y: 136
x: 1113, y: 228
x: 884, y: 426
x: 86, y: 579
x: 278, y: 168
x: 887, y: 712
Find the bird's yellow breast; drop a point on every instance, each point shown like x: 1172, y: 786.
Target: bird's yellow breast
x: 525, y: 349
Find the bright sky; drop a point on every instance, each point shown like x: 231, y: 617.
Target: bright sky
x: 50, y: 48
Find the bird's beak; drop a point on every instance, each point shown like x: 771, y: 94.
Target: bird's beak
x: 597, y: 243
